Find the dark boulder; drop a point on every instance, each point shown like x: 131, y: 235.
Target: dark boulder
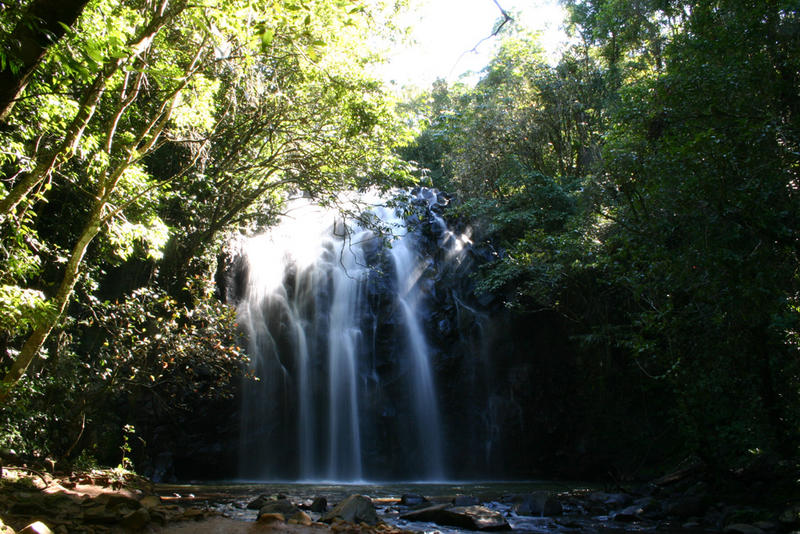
x: 300, y: 518
x: 538, y: 503
x: 284, y: 507
x: 135, y: 520
x: 628, y: 514
x: 610, y: 499
x: 790, y: 517
x: 688, y: 506
x: 319, y: 505
x: 467, y: 517
x: 354, y: 509
x: 743, y: 528
x: 258, y: 502
x: 270, y: 518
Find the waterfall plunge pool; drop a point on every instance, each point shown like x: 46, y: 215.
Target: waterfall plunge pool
x: 582, y: 511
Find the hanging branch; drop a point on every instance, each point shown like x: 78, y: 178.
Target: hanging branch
x: 506, y: 19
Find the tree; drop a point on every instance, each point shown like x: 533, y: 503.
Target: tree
x: 195, y: 77
x: 517, y: 149
x: 110, y: 174
x: 44, y: 23
x: 697, y: 175
x: 645, y: 189
x: 108, y: 67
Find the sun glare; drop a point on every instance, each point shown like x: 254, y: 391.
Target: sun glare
x: 449, y: 38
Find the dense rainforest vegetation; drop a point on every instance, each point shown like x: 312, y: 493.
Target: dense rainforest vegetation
x: 643, y: 189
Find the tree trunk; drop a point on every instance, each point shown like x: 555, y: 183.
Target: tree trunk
x: 39, y: 335
x: 39, y: 28
x: 61, y: 154
x: 62, y: 297
x: 143, y: 144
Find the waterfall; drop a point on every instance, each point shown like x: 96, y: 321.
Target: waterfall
x: 334, y: 317
x: 345, y: 340
x: 409, y: 269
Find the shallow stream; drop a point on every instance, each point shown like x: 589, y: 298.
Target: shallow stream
x: 231, y: 499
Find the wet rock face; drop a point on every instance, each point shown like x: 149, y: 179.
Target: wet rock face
x: 231, y: 275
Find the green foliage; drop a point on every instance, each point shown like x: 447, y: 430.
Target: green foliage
x: 645, y: 188
x: 535, y: 226
x: 125, y: 236
x: 126, y: 464
x: 21, y: 309
x: 26, y: 420
x: 516, y: 148
x: 142, y: 139
x: 145, y: 348
x: 157, y: 345
x: 701, y: 164
x: 85, y: 462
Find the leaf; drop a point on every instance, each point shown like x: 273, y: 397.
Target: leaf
x: 267, y: 36
x: 94, y: 54
x: 67, y: 29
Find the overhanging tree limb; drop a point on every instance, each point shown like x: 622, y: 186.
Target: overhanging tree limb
x: 44, y: 24
x: 101, y: 213
x: 506, y: 19
x: 86, y: 109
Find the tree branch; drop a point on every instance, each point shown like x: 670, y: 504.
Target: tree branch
x: 506, y: 19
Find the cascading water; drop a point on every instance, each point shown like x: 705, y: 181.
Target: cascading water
x: 333, y: 317
x: 409, y: 269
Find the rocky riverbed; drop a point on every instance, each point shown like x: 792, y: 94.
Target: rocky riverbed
x: 109, y: 501
x: 519, y: 507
